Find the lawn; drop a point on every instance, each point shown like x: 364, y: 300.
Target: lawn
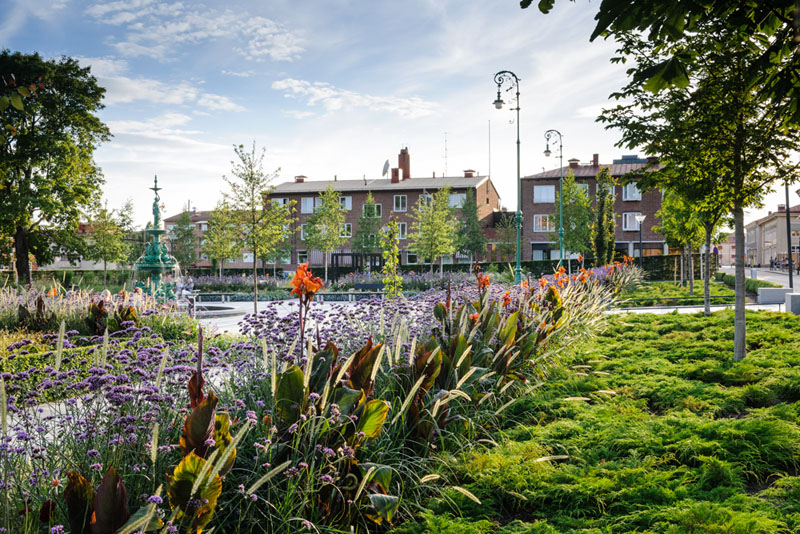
x: 668, y: 293
x: 652, y: 429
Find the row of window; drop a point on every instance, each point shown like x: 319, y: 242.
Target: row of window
x: 311, y: 204
x: 546, y: 194
x: 346, y: 230
x: 542, y: 223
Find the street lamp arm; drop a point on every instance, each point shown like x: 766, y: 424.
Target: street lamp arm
x: 506, y: 76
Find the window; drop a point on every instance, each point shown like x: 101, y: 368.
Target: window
x: 411, y: 258
x: 204, y: 227
x: 629, y: 221
x: 542, y: 223
x: 631, y: 192
x: 346, y: 203
x: 400, y: 203
x: 584, y: 187
x: 280, y: 201
x: 303, y: 232
x: 302, y: 256
x: 544, y: 194
x: 457, y: 199
x: 403, y: 230
x: 427, y: 198
x: 307, y: 205
x: 170, y: 227
x: 247, y: 257
x: 376, y: 211
x: 346, y: 230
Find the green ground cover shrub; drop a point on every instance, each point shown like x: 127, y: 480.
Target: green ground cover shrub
x: 652, y: 429
x: 751, y: 285
x: 669, y: 294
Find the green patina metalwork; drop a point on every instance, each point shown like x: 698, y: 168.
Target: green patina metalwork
x: 156, y: 260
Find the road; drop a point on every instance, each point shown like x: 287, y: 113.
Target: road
x: 777, y: 277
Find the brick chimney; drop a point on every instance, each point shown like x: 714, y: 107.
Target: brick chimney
x: 596, y: 160
x: 469, y: 173
x: 781, y: 208
x: 404, y: 163
x: 299, y: 179
x: 573, y: 163
x: 652, y: 160
x: 396, y: 175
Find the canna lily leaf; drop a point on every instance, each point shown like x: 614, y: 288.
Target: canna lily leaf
x: 347, y: 399
x: 199, y: 427
x: 381, y: 475
x: 144, y: 520
x: 440, y: 312
x: 79, y: 496
x: 110, y: 504
x: 223, y: 439
x: 429, y: 364
x: 371, y: 419
x: 361, y: 368
x: 383, y: 507
x: 509, y: 332
x: 198, y: 507
x: 290, y: 394
x: 323, y: 364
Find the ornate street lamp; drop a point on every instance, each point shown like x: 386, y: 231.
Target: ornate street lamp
x: 789, y: 261
x: 506, y: 76
x: 639, y: 220
x: 547, y: 135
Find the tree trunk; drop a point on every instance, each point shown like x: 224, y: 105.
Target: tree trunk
x: 325, y: 259
x: 105, y: 273
x: 255, y: 281
x: 707, y: 274
x: 739, y: 324
x: 683, y: 268
x: 690, y: 261
x: 220, y: 268
x: 21, y: 253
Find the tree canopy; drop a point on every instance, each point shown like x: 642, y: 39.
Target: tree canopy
x: 47, y: 174
x: 325, y: 225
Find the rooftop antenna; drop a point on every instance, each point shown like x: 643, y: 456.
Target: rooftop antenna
x: 490, y: 148
x: 445, y: 154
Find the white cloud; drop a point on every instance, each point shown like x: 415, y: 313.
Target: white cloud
x: 239, y: 74
x: 334, y: 99
x: 157, y: 29
x: 297, y: 114
x: 17, y: 12
x: 122, y: 89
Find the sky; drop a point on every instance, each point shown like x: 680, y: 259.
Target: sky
x: 328, y: 88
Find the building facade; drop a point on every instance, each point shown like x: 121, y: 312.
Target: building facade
x: 540, y: 210
x: 765, y: 238
x: 394, y: 196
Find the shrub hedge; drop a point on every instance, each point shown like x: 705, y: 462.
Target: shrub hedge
x: 751, y: 285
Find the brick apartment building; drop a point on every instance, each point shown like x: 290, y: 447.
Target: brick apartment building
x: 396, y: 195
x: 540, y: 209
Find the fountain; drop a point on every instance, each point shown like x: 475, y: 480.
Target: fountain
x: 156, y: 261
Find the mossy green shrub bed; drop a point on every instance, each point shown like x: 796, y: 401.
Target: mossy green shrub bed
x: 668, y: 293
x: 653, y: 429
x: 751, y: 285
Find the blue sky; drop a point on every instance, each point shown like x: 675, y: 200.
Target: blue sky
x: 326, y: 87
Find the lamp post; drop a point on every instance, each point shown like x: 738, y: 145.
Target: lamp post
x: 789, y: 261
x: 547, y: 135
x: 640, y: 219
x: 506, y: 76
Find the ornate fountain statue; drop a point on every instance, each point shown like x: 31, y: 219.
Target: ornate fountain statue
x: 156, y: 260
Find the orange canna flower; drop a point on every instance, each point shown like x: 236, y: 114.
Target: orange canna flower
x: 484, y: 281
x: 305, y: 283
x: 524, y: 284
x: 473, y: 317
x: 507, y: 298
x: 580, y: 258
x: 53, y: 292
x: 542, y: 282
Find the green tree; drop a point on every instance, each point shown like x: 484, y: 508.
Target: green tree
x: 390, y: 245
x: 604, y: 225
x: 47, y: 174
x: 470, y: 233
x: 578, y: 216
x: 283, y: 248
x: 183, y: 241
x: 506, y: 236
x: 681, y: 226
x: 770, y: 29
x: 741, y: 129
x: 365, y: 236
x: 258, y: 222
x: 433, y: 234
x: 106, y: 237
x: 220, y: 238
x: 325, y: 225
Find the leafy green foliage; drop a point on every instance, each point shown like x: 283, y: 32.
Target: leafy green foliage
x: 432, y: 233
x: 604, y: 225
x: 183, y: 242
x: 324, y: 226
x: 365, y: 236
x: 578, y: 215
x: 107, y: 231
x: 654, y: 427
x: 470, y: 233
x: 390, y: 243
